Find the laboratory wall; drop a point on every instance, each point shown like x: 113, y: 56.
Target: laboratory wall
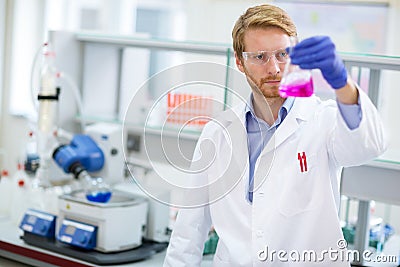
x: 26, y: 25
x: 391, y: 93
x: 24, y: 30
x: 2, y: 61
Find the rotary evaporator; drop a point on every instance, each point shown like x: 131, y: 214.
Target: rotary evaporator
x: 95, y: 222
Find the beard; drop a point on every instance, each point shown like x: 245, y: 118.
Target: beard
x: 261, y: 88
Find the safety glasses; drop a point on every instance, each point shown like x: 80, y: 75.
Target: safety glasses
x: 263, y: 57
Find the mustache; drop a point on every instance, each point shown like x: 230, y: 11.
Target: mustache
x: 270, y: 78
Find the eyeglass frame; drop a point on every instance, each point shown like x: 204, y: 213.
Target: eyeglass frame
x: 273, y: 53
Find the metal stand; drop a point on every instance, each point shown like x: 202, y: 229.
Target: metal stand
x: 361, y: 238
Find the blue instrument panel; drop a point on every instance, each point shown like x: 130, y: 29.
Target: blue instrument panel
x: 39, y: 223
x: 78, y: 234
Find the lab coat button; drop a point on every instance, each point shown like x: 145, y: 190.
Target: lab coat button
x: 261, y: 194
x: 259, y: 233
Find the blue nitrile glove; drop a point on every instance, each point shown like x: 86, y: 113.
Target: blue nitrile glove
x: 319, y: 52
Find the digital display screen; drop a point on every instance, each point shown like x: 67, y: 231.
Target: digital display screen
x: 32, y: 219
x: 70, y: 230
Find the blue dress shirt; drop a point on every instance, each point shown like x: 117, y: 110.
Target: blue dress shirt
x: 259, y: 132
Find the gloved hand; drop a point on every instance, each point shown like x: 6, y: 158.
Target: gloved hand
x: 319, y: 52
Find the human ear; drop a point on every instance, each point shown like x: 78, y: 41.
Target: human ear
x: 239, y: 63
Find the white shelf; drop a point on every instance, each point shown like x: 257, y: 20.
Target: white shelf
x: 193, y: 47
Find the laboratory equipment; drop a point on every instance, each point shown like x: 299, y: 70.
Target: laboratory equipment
x: 119, y: 223
x: 78, y: 234
x: 81, y: 156
x: 158, y: 215
x: 112, y: 222
x: 39, y: 223
x: 319, y: 52
x: 48, y: 94
x: 32, y: 160
x: 97, y: 190
x: 47, y: 116
x: 108, y: 137
x: 295, y: 81
x: 98, y: 152
x: 117, y: 219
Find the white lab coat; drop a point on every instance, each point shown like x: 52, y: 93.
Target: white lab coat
x: 292, y: 211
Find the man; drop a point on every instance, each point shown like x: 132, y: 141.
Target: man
x: 283, y: 210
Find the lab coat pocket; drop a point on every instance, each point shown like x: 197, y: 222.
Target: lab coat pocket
x: 301, y: 186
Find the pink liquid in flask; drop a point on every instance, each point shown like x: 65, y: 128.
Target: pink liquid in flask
x: 297, y: 89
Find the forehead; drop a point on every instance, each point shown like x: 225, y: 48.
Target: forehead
x: 265, y: 39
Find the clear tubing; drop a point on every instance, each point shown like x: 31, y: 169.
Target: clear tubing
x: 35, y: 60
x: 77, y: 95
x: 64, y: 134
x: 66, y: 77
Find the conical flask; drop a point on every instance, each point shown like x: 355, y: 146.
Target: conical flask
x: 295, y: 81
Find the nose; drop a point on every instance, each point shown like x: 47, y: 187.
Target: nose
x: 272, y: 66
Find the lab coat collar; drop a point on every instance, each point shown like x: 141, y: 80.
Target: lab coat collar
x: 235, y: 118
x: 300, y: 113
x: 300, y: 110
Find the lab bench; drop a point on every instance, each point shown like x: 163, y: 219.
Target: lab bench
x: 15, y: 249
x: 12, y: 247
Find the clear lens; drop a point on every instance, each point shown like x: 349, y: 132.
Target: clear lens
x: 263, y: 57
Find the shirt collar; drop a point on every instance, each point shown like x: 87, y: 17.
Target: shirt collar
x: 283, y: 111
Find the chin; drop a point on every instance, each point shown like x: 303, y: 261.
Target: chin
x: 270, y: 96
x: 271, y: 92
